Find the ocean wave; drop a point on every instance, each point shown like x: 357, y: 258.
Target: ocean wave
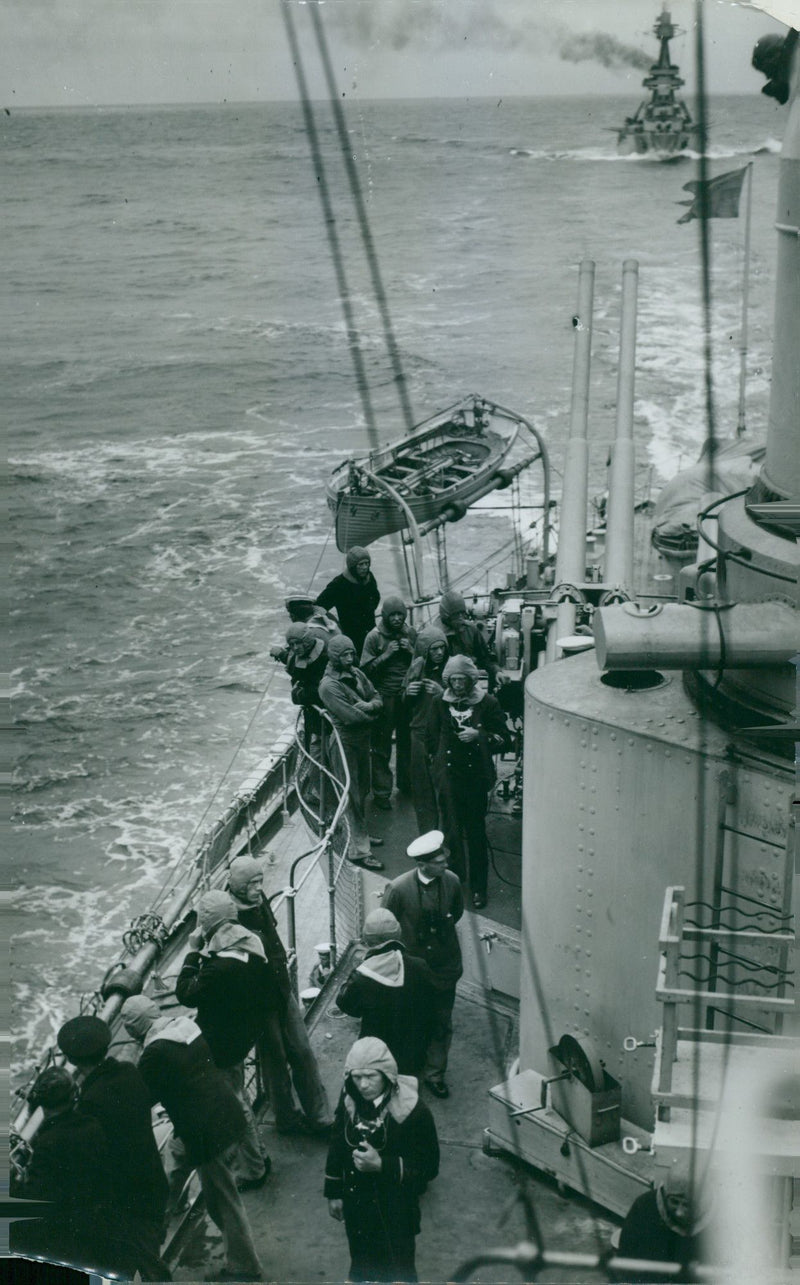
x: 45, y: 781
x: 715, y: 152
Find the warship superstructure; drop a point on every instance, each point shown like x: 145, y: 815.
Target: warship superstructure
x: 661, y: 127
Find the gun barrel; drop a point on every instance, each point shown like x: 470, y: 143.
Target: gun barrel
x: 571, y: 555
x: 619, y: 525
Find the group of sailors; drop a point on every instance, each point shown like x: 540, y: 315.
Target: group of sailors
x: 385, y: 685
x: 112, y: 1192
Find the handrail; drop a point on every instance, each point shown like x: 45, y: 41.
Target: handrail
x: 342, y: 790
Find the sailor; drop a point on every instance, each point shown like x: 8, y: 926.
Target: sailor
x: 70, y: 1166
x: 667, y: 1223
x: 353, y: 705
x: 387, y: 654
x: 226, y: 978
x: 465, y: 730
x: 324, y: 966
x: 463, y: 637
x: 283, y: 1050
x: 207, y: 1122
x: 392, y: 992
x: 305, y: 659
x: 423, y: 682
x: 383, y: 1153
x: 354, y: 596
x: 303, y: 611
x: 114, y: 1093
x: 428, y: 903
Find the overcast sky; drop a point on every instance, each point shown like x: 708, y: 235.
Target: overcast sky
x: 86, y: 52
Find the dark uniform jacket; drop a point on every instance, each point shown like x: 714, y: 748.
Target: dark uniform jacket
x: 428, y: 914
x: 232, y: 992
x: 644, y: 1234
x: 397, y: 1014
x: 260, y: 920
x: 355, y: 603
x: 115, y: 1094
x: 305, y: 673
x: 386, y: 1202
x: 71, y: 1167
x: 467, y: 640
x: 202, y: 1106
x: 452, y: 756
x: 419, y: 670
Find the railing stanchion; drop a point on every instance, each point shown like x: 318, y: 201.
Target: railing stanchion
x: 291, y: 939
x: 332, y: 902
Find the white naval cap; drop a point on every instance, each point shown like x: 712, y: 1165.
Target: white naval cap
x: 426, y: 846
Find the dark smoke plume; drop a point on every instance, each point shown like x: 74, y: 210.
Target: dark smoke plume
x: 436, y: 24
x: 596, y: 46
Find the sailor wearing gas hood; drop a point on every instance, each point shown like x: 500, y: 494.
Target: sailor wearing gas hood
x: 285, y: 1056
x: 354, y: 596
x: 383, y: 1153
x: 207, y: 1122
x: 387, y: 654
x: 463, y: 637
x: 465, y: 730
x: 422, y: 683
x: 392, y: 992
x: 353, y: 705
x: 226, y: 978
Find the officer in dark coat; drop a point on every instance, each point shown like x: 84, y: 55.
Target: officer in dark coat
x: 465, y: 729
x: 428, y: 903
x: 70, y: 1167
x: 114, y: 1093
x: 230, y: 985
x: 284, y: 1052
x: 392, y: 992
x: 207, y: 1121
x: 354, y: 596
x: 383, y: 1153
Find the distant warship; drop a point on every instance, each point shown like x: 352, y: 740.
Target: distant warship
x: 661, y: 127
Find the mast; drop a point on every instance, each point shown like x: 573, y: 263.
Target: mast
x: 664, y: 31
x: 664, y: 79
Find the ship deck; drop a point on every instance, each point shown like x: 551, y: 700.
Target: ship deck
x: 473, y: 1205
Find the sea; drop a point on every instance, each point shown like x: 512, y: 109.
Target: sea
x: 178, y: 386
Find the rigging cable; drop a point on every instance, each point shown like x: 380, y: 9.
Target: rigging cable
x: 361, y: 213
x: 353, y: 337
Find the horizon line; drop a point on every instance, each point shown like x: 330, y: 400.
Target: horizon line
x: 11, y: 109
